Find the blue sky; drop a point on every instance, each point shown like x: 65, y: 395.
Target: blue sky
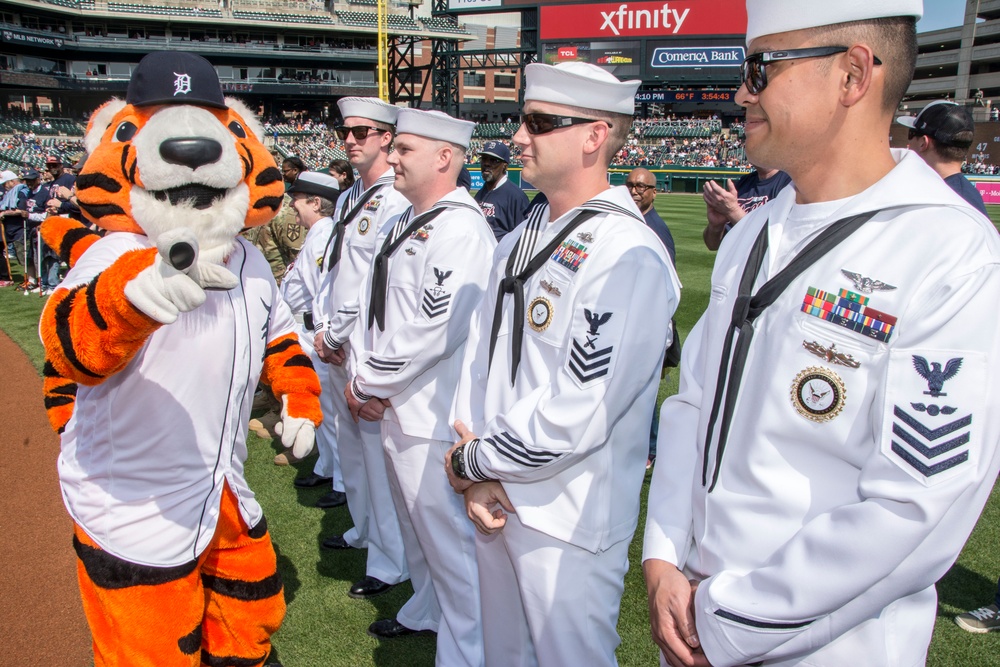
x: 941, y: 14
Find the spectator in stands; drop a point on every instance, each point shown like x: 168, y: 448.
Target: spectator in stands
x: 942, y: 134
x: 727, y: 205
x: 503, y: 203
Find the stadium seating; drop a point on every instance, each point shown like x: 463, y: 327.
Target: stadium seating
x: 441, y: 24
x: 264, y: 16
x: 370, y: 20
x: 163, y: 10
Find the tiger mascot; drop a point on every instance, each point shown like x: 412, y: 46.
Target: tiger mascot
x: 161, y: 330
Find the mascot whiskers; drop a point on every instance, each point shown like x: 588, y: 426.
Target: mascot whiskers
x: 161, y: 331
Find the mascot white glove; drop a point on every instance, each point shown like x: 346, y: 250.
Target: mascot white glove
x: 296, y: 432
x: 176, y: 282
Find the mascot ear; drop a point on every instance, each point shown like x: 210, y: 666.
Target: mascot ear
x: 249, y: 116
x: 99, y: 122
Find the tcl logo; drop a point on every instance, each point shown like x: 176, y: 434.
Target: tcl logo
x: 567, y: 52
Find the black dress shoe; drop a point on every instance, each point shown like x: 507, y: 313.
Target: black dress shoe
x: 390, y: 628
x: 311, y: 480
x: 368, y: 587
x: 332, y: 499
x: 336, y: 542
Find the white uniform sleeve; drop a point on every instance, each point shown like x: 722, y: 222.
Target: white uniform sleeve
x: 668, y: 514
x: 301, y: 282
x: 919, y: 495
x: 341, y: 293
x: 633, y: 297
x: 441, y: 324
x: 470, y: 395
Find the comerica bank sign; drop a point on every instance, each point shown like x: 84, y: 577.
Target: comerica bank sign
x: 729, y: 56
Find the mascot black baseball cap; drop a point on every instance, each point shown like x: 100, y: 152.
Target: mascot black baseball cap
x: 175, y: 77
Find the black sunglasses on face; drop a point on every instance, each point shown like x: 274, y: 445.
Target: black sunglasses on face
x: 543, y: 123
x: 359, y: 131
x: 913, y: 134
x: 753, y: 70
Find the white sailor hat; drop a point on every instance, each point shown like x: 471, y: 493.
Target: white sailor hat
x: 579, y: 85
x: 435, y: 125
x: 371, y: 108
x: 769, y: 17
x: 7, y: 175
x: 316, y: 184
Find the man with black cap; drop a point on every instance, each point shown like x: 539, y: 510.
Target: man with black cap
x: 363, y: 209
x: 834, y: 438
x: 559, y: 380
x: 941, y: 134
x: 503, y: 203
x: 312, y: 198
x: 427, y: 277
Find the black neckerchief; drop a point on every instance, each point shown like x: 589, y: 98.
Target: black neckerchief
x: 380, y: 272
x: 336, y: 241
x: 748, y: 308
x: 513, y: 283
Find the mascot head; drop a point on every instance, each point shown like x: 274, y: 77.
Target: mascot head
x: 176, y: 153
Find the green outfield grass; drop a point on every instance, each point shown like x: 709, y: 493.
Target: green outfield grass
x: 325, y: 628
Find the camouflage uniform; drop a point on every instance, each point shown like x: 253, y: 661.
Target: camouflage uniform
x: 280, y: 240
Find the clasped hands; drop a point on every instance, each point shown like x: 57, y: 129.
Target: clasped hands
x: 485, y: 502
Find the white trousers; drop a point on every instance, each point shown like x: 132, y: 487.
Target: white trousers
x: 440, y: 546
x: 352, y: 459
x: 328, y: 463
x: 386, y: 554
x: 546, y: 602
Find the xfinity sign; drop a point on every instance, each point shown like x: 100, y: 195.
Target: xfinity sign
x: 731, y: 56
x: 674, y: 18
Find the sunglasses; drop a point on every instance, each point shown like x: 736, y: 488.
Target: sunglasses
x: 753, y: 70
x: 639, y: 187
x: 913, y: 134
x: 543, y: 123
x: 360, y: 132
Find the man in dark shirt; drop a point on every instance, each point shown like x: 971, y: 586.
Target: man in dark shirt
x: 503, y: 203
x: 941, y: 134
x: 641, y: 184
x: 727, y: 205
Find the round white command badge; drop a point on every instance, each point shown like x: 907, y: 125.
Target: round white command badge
x: 818, y: 394
x: 364, y: 225
x: 540, y: 313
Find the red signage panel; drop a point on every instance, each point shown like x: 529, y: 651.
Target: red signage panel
x: 644, y: 19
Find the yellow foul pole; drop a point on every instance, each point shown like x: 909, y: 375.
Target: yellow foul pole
x: 383, y: 53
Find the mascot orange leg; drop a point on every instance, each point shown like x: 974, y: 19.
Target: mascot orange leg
x: 218, y: 610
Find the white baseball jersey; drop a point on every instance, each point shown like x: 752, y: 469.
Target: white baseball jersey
x: 568, y: 440
x: 861, y: 449
x: 436, y: 279
x: 336, y: 306
x: 147, y: 452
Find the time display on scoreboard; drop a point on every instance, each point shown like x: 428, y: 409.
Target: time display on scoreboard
x: 667, y: 96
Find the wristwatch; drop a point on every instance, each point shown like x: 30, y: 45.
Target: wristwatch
x: 458, y: 462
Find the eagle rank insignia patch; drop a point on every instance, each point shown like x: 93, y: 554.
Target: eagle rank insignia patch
x: 934, y: 404
x: 818, y: 394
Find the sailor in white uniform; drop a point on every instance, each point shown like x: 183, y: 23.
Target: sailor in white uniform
x: 313, y: 196
x: 428, y: 275
x: 559, y: 381
x: 361, y: 211
x: 831, y: 446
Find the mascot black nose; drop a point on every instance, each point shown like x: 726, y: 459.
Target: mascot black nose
x: 191, y: 151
